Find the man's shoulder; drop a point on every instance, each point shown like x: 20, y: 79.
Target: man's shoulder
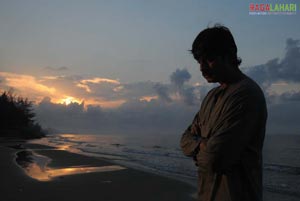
x: 247, y: 87
x: 213, y: 90
x: 248, y: 93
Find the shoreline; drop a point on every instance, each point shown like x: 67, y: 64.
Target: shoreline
x: 132, y: 158
x: 124, y: 184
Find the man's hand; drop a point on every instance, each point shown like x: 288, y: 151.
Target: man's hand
x: 203, y: 145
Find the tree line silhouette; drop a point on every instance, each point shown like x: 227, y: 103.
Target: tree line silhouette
x: 17, y: 117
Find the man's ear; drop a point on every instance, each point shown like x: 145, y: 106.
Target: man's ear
x: 225, y: 61
x: 216, y: 60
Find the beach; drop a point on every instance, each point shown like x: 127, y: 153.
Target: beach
x: 98, y: 167
x: 122, y: 184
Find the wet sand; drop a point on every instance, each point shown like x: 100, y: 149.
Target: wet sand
x: 119, y: 184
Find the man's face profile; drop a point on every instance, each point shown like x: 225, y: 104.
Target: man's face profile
x: 213, y: 70
x: 216, y: 52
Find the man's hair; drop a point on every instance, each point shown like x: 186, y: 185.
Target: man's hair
x: 213, y: 42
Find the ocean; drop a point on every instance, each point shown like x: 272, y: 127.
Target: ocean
x: 162, y: 155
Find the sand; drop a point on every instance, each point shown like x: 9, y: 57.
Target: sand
x: 124, y: 184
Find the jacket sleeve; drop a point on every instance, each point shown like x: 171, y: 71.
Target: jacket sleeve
x: 232, y: 134
x: 191, y: 139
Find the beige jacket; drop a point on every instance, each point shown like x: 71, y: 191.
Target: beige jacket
x: 231, y: 123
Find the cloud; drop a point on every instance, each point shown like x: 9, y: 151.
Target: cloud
x: 138, y: 89
x: 179, y: 77
x: 287, y: 69
x: 278, y: 77
x: 98, y: 80
x: 286, y: 97
x: 84, y: 86
x: 147, y: 107
x: 62, y: 89
x: 56, y: 69
x: 24, y: 84
x: 100, y: 91
x: 134, y: 116
x: 290, y: 96
x: 163, y: 92
x: 85, y: 83
x: 154, y: 116
x: 189, y: 96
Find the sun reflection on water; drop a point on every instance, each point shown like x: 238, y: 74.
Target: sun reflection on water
x: 31, y: 163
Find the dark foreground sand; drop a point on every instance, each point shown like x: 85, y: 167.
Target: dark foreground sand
x: 127, y: 184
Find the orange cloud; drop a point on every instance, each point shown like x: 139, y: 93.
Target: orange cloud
x: 148, y: 98
x: 35, y: 89
x: 86, y: 87
x: 97, y: 80
x: 25, y: 83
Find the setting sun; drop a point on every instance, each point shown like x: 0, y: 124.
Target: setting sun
x: 68, y: 100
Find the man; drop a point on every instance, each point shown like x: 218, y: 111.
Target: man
x: 226, y: 136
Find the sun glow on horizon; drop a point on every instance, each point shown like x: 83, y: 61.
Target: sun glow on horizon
x: 68, y: 100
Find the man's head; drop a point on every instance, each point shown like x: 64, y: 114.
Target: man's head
x: 215, y: 50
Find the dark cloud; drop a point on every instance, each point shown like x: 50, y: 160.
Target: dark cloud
x: 135, y: 116
x: 163, y: 92
x: 137, y: 90
x: 153, y: 117
x: 179, y: 77
x: 186, y: 92
x: 161, y: 115
x: 286, y: 69
x: 46, y: 100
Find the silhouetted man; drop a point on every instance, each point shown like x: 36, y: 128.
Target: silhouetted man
x: 226, y: 136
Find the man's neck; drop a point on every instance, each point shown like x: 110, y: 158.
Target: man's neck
x: 232, y: 78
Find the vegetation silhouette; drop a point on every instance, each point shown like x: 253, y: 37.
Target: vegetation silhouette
x: 17, y: 117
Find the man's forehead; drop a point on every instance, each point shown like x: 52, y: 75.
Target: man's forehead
x: 202, y: 55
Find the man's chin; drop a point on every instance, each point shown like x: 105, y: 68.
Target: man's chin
x: 210, y: 79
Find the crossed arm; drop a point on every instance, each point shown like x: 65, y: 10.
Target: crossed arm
x: 226, y: 146
x: 191, y: 138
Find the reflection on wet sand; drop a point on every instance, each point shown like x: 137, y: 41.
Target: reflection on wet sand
x: 35, y: 166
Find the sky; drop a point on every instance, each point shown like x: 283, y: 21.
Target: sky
x: 127, y: 61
